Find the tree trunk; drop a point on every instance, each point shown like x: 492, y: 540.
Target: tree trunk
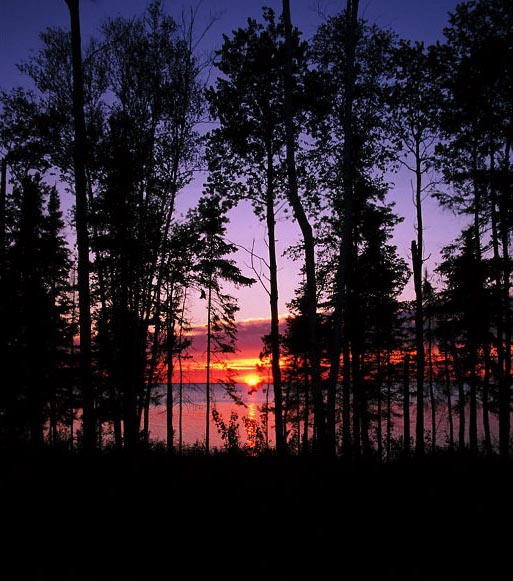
x: 504, y: 397
x: 81, y: 221
x: 472, y: 419
x: 273, y: 299
x: 389, y: 411
x: 207, y: 385
x: 308, y: 241
x: 461, y: 400
x: 357, y: 405
x: 505, y: 387
x: 347, y: 440
x: 169, y: 383
x: 486, y: 405
x: 180, y: 405
x: 432, y: 399
x: 461, y: 415
x: 417, y: 253
x: 341, y: 324
x: 379, y: 427
x: 448, y: 387
x: 406, y: 405
x: 419, y: 346
x: 306, y: 411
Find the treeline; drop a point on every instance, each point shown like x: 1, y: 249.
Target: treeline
x: 314, y: 128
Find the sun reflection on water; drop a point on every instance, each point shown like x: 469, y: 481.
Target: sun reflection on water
x: 251, y: 424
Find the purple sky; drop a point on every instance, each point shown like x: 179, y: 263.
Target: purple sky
x: 22, y: 20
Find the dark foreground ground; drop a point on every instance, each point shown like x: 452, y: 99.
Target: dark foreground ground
x: 75, y: 519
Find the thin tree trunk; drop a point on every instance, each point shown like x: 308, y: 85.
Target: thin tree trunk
x: 461, y: 414
x: 406, y: 406
x: 417, y: 252
x: 380, y: 411
x: 180, y: 368
x: 389, y: 410
x: 298, y: 416
x: 432, y: 399
x: 180, y: 405
x: 169, y: 383
x: 472, y: 419
x: 481, y: 337
x: 461, y: 400
x: 347, y: 442
x: 358, y: 405
x: 486, y: 404
x: 308, y: 240
x: 81, y: 221
x: 504, y: 397
x: 380, y: 429
x: 448, y: 387
x: 273, y: 299
x: 505, y: 388
x: 419, y: 346
x: 207, y: 385
x: 341, y: 318
x: 306, y: 413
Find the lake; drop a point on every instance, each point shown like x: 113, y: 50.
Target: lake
x: 194, y: 413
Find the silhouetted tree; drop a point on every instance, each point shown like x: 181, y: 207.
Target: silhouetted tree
x: 246, y: 151
x: 300, y: 215
x: 415, y: 115
x: 476, y: 156
x: 212, y: 269
x: 352, y: 69
x: 467, y: 299
x: 81, y: 225
x: 35, y: 305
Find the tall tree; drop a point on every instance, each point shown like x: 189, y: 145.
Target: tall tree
x: 415, y: 115
x: 477, y: 153
x: 35, y: 305
x: 351, y: 62
x: 246, y: 151
x: 213, y: 268
x: 81, y: 225
x: 300, y: 215
x: 467, y: 305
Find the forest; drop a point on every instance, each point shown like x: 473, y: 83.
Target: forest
x: 92, y: 326
x: 95, y: 303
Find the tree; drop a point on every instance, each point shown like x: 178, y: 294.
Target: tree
x: 35, y: 304
x: 351, y: 61
x: 476, y: 156
x: 213, y: 268
x: 467, y: 302
x: 81, y: 224
x: 246, y: 151
x: 298, y: 208
x: 415, y: 115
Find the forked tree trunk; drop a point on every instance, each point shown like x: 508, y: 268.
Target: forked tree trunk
x: 308, y: 241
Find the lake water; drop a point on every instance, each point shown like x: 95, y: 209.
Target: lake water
x: 194, y: 413
x: 252, y: 417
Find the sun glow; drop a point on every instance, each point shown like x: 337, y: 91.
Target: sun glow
x: 252, y: 380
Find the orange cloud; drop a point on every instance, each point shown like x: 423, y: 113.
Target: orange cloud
x: 240, y: 364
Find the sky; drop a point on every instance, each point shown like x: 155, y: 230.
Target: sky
x: 21, y: 21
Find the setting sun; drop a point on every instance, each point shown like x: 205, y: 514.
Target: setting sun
x: 252, y: 380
